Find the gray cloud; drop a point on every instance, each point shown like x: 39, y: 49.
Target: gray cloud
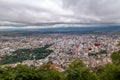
x: 102, y: 10
x: 34, y: 12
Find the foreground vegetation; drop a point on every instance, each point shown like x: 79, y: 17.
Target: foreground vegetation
x: 76, y: 70
x: 27, y: 54
x: 45, y: 72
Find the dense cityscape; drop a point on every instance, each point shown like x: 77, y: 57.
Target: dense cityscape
x: 93, y: 49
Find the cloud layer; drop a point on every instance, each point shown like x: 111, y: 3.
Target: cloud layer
x: 35, y: 12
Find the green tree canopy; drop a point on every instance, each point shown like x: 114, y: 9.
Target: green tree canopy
x: 109, y: 72
x: 116, y: 57
x: 77, y: 71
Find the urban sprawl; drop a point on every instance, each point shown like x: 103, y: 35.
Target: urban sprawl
x: 92, y: 49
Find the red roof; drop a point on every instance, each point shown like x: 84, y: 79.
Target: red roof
x: 96, y: 44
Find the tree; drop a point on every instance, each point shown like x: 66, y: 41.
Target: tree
x: 6, y: 73
x: 116, y: 57
x: 109, y: 72
x: 75, y: 63
x: 77, y: 71
x: 45, y: 72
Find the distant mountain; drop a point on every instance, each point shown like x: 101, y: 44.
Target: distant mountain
x: 79, y: 28
x: 70, y: 28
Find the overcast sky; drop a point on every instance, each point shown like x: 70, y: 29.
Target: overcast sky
x: 33, y: 12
